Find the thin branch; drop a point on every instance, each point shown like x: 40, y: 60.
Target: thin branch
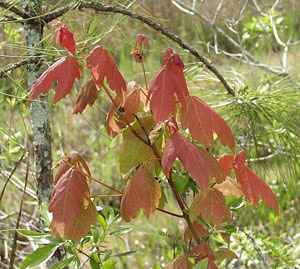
x: 11, y: 174
x: 13, y: 9
x: 258, y: 250
x: 169, y: 213
x: 14, y: 245
x: 6, y: 71
x: 150, y: 22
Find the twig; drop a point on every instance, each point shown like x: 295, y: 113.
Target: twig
x: 13, y: 9
x: 258, y: 250
x: 11, y: 174
x: 5, y: 71
x: 14, y: 246
x: 169, y: 213
x: 48, y: 17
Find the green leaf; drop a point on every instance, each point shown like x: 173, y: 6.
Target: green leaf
x: 28, y: 233
x: 125, y: 253
x: 107, y: 255
x: 202, y: 264
x: 45, y: 214
x: 94, y: 264
x: 134, y: 151
x: 180, y: 182
x: 95, y: 233
x: 39, y: 256
x: 123, y: 230
x: 230, y: 229
x: 62, y: 264
x: 109, y: 264
x: 102, y: 222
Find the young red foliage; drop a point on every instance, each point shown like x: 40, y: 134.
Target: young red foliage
x: 141, y: 191
x: 229, y: 188
x: 213, y: 168
x: 70, y: 195
x: 141, y: 39
x: 226, y: 163
x: 239, y: 160
x: 211, y: 206
x: 86, y: 96
x: 254, y: 187
x: 199, y: 228
x: 203, y: 121
x: 182, y: 262
x: 225, y: 253
x: 102, y: 65
x: 113, y: 125
x: 82, y: 224
x: 69, y: 160
x: 66, y: 38
x: 64, y: 71
x: 178, y: 146
x: 166, y: 84
x: 202, y: 251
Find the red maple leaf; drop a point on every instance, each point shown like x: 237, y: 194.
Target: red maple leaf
x: 178, y: 146
x: 166, y: 84
x: 203, y: 121
x: 86, y: 96
x: 211, y: 206
x: 202, y: 251
x: 64, y: 71
x: 254, y: 187
x: 199, y: 228
x: 65, y: 38
x: 226, y: 163
x: 69, y: 196
x: 69, y: 160
x: 141, y: 191
x: 182, y: 262
x: 141, y: 39
x: 102, y: 65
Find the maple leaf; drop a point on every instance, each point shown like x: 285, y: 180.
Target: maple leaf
x: 64, y: 71
x: 70, y: 195
x: 69, y: 160
x: 182, y: 262
x: 135, y: 101
x: 211, y: 206
x: 86, y: 96
x: 102, y: 65
x: 229, y: 187
x: 199, y: 228
x: 203, y: 121
x: 254, y: 187
x: 134, y: 151
x: 226, y: 164
x: 113, y: 125
x: 178, y: 146
x: 213, y: 168
x: 66, y: 38
x: 141, y: 39
x: 82, y: 224
x: 141, y: 191
x: 202, y: 251
x: 225, y: 253
x: 166, y: 84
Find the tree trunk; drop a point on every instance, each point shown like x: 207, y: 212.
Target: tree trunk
x: 40, y: 116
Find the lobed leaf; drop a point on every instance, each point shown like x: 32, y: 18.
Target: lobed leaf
x: 178, y: 146
x: 66, y: 39
x: 182, y: 262
x: 225, y: 253
x: 199, y: 228
x: 87, y: 96
x: 229, y: 188
x: 70, y: 195
x: 102, y: 65
x: 254, y: 187
x: 211, y: 206
x: 203, y: 121
x: 65, y: 71
x: 134, y: 151
x: 142, y: 191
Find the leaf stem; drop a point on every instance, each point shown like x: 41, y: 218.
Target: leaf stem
x: 145, y: 78
x: 169, y: 213
x: 106, y: 195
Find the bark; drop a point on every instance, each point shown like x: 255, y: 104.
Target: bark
x: 39, y: 116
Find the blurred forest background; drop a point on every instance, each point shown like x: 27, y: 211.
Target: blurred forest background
x: 255, y: 44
